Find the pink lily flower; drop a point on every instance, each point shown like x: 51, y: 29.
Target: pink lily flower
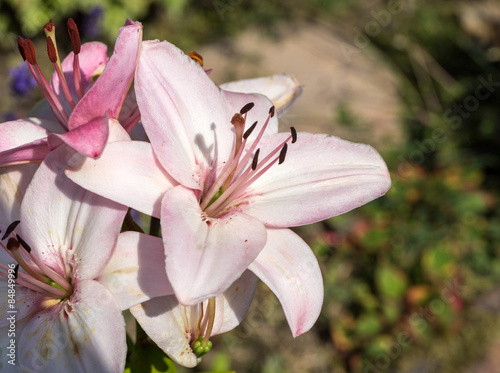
x: 70, y: 281
x: 80, y: 114
x: 223, y: 189
x: 79, y: 106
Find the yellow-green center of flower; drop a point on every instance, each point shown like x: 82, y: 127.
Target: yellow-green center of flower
x: 37, y: 275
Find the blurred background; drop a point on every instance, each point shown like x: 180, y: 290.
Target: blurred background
x: 412, y: 280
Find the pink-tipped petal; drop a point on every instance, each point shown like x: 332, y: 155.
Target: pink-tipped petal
x: 288, y: 266
x: 21, y: 132
x: 283, y: 89
x: 186, y: 129
x: 124, y: 168
x: 32, y: 152
x: 322, y: 176
x: 84, y: 334
x: 136, y: 271
x: 64, y: 223
x: 204, y: 255
x: 110, y: 90
x: 89, y: 138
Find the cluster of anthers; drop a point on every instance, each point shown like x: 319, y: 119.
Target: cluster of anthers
x: 28, y: 54
x: 235, y: 177
x: 37, y: 275
x: 200, y: 333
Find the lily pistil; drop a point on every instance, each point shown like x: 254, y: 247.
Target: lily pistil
x: 237, y: 175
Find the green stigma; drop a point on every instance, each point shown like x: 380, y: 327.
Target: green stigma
x: 214, y: 198
x: 55, y: 284
x: 200, y: 348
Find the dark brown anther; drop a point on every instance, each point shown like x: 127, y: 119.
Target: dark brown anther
x: 247, y: 108
x: 271, y: 111
x: 29, y: 51
x: 12, y: 244
x: 49, y: 26
x: 197, y: 57
x: 283, y: 153
x: 294, y: 135
x: 16, y: 269
x: 255, y: 159
x: 24, y: 244
x: 10, y: 229
x: 20, y: 44
x: 238, y: 120
x: 74, y: 36
x: 51, y: 50
x: 249, y: 131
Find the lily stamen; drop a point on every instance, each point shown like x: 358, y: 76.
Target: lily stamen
x: 39, y: 286
x: 76, y: 45
x: 50, y: 32
x: 12, y: 226
x: 38, y: 276
x: 13, y: 246
x: 52, y: 52
x: 250, y: 175
x: 223, y: 178
x: 219, y: 182
x: 44, y: 269
x: 201, y: 344
x: 211, y: 319
x: 27, y: 52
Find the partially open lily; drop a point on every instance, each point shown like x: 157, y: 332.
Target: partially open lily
x: 183, y: 332
x: 285, y: 264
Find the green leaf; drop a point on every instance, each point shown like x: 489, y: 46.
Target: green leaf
x: 368, y: 325
x: 391, y: 281
x: 149, y: 359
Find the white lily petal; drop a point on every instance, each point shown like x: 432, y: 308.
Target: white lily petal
x: 136, y: 271
x: 288, y: 266
x: 67, y: 224
x: 124, y: 168
x: 322, y: 176
x: 84, y: 334
x: 282, y: 89
x: 165, y: 320
x: 205, y: 256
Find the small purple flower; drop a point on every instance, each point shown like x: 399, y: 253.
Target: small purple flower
x: 22, y: 82
x: 91, y: 27
x: 9, y: 116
